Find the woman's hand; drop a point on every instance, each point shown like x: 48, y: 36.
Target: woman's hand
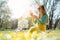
x: 36, y: 17
x: 33, y: 16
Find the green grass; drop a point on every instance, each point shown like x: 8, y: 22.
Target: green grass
x: 53, y: 35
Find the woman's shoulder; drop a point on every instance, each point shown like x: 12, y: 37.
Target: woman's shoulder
x: 45, y: 15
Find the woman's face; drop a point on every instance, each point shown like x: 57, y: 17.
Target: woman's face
x: 40, y: 11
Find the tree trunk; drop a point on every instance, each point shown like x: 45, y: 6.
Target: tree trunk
x: 51, y: 20
x: 55, y: 25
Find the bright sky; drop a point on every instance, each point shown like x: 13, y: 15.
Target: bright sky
x: 19, y: 8
x: 22, y: 7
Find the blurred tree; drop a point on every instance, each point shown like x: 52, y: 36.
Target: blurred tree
x: 4, y: 14
x: 29, y: 21
x: 54, y: 13
x: 13, y: 24
x: 52, y: 8
x: 57, y: 24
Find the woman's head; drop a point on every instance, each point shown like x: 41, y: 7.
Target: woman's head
x: 41, y: 10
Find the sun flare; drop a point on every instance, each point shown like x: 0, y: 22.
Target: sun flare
x: 19, y: 8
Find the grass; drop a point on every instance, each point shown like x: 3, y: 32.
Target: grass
x: 12, y: 35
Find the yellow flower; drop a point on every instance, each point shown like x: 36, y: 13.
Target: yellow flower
x: 28, y: 36
x: 12, y: 34
x: 1, y: 34
x: 14, y: 38
x: 21, y: 35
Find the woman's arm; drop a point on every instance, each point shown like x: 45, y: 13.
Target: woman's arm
x: 36, y: 17
x: 44, y: 19
x: 33, y: 16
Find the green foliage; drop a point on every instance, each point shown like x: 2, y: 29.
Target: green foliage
x: 58, y: 38
x: 8, y: 35
x: 4, y: 14
x: 29, y: 21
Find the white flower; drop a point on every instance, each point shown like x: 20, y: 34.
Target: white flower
x: 23, y: 24
x: 7, y: 36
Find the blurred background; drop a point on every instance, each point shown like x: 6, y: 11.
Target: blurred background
x: 14, y: 14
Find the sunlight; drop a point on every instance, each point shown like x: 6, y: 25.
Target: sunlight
x: 19, y: 8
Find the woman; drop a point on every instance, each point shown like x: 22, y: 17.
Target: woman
x: 40, y: 22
